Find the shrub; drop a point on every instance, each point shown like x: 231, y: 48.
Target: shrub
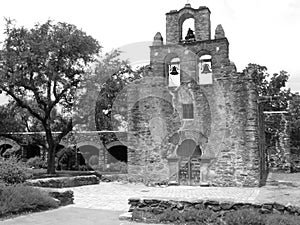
x: 170, y: 215
x: 282, y: 220
x: 245, y: 217
x: 83, y: 168
x: 94, y: 160
x: 188, y: 216
x: 16, y: 199
x: 13, y: 171
x: 36, y: 162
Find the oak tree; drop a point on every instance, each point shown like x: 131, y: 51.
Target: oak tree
x: 41, y: 69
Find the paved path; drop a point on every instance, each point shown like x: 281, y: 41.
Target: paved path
x: 114, y: 196
x: 70, y: 215
x: 102, y: 204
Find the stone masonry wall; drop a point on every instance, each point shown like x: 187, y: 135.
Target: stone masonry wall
x: 176, y: 18
x: 150, y: 210
x: 279, y: 146
x: 225, y: 123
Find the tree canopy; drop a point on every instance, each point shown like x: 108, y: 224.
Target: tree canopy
x: 41, y: 69
x: 277, y: 98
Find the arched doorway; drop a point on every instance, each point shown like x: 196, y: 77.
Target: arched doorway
x: 189, y: 164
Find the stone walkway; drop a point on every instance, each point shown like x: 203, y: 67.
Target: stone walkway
x: 114, y: 196
x: 102, y: 203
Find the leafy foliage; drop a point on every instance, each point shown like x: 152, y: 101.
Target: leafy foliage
x: 245, y: 217
x: 19, y: 198
x: 188, y: 216
x: 68, y: 160
x: 277, y: 98
x: 13, y: 171
x: 36, y: 162
x: 41, y: 69
x: 282, y: 220
x: 94, y: 160
x: 113, y: 76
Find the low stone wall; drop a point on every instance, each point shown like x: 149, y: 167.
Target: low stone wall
x: 149, y: 210
x: 295, y: 161
x: 62, y: 182
x: 114, y: 177
x: 64, y: 197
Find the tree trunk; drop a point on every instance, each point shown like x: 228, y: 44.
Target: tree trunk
x: 51, y: 159
x: 51, y: 150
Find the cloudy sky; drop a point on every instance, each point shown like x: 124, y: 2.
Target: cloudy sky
x: 266, y: 32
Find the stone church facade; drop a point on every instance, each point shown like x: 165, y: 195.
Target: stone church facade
x: 193, y: 119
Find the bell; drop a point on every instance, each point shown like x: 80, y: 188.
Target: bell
x: 174, y: 71
x: 206, y: 69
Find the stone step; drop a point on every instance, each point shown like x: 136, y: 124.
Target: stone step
x: 282, y: 183
x: 126, y: 216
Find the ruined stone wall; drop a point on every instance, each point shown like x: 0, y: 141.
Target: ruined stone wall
x: 278, y: 147
x: 152, y: 121
x: 237, y: 160
x: 224, y: 127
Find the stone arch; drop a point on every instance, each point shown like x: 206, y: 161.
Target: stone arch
x: 63, y: 143
x: 203, y: 52
x: 14, y: 145
x: 88, y: 150
x: 117, y: 152
x: 112, y: 144
x: 3, y: 148
x: 185, y: 15
x: 91, y: 143
x: 172, y: 60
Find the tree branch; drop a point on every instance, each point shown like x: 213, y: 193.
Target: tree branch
x: 22, y: 104
x: 65, y: 131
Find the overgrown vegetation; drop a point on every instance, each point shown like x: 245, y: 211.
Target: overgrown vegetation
x: 239, y: 217
x: 36, y: 163
x: 15, y: 197
x: 13, y: 171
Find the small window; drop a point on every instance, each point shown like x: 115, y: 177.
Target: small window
x: 188, y: 111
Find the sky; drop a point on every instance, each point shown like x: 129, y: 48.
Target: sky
x: 266, y: 32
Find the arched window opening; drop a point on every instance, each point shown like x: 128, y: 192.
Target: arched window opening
x: 205, y: 70
x: 174, y: 72
x: 117, y: 154
x: 3, y: 148
x: 188, y: 30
